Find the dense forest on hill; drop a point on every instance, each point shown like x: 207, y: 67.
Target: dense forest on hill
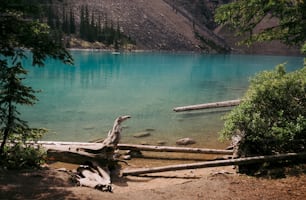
x: 171, y: 25
x: 84, y: 24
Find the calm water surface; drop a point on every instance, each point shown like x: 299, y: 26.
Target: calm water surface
x: 80, y: 102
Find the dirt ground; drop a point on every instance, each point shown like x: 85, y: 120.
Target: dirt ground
x: 211, y: 183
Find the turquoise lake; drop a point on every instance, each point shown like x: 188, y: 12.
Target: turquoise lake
x: 80, y: 102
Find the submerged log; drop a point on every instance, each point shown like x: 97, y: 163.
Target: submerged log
x: 238, y: 161
x: 208, y: 105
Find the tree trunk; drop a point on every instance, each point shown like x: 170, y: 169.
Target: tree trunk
x: 8, y: 126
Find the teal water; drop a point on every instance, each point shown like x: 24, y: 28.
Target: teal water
x: 80, y: 102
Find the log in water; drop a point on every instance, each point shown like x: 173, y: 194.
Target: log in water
x: 220, y: 104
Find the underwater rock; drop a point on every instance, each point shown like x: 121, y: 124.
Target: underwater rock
x: 161, y: 142
x: 144, y: 143
x: 141, y: 134
x: 88, y: 127
x: 185, y: 141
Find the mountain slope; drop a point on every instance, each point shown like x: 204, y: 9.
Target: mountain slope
x: 171, y: 25
x: 154, y: 25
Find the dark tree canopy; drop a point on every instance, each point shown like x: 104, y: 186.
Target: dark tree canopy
x: 244, y: 15
x: 21, y: 30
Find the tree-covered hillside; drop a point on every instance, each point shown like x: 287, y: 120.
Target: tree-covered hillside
x: 171, y: 25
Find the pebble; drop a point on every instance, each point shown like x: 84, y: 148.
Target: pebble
x: 127, y: 157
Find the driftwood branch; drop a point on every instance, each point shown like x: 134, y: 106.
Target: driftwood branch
x: 94, y: 176
x: 112, y: 140
x: 239, y: 161
x: 208, y: 105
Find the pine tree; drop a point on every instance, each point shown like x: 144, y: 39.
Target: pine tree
x: 72, y: 22
x: 13, y: 92
x: 82, y: 22
x: 65, y: 23
x: 50, y: 17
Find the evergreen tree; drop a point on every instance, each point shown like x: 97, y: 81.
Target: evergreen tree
x: 72, y: 22
x: 82, y: 22
x: 57, y: 21
x: 92, y: 29
x: 50, y: 17
x: 65, y: 23
x: 18, y: 34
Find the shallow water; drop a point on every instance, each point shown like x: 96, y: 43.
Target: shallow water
x: 80, y: 102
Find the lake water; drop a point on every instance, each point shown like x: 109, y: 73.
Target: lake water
x: 80, y: 102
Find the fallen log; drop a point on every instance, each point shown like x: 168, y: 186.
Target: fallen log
x: 64, y: 151
x: 62, y: 144
x: 217, y: 163
x: 78, y: 157
x: 172, y: 149
x: 98, y: 154
x: 208, y: 105
x: 69, y: 146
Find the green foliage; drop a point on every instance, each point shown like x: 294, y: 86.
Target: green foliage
x: 244, y: 15
x: 272, y: 116
x: 22, y: 154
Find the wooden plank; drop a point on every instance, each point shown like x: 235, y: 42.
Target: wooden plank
x: 239, y: 161
x: 220, y: 104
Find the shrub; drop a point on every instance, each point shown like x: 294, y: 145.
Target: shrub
x: 23, y: 152
x: 272, y: 116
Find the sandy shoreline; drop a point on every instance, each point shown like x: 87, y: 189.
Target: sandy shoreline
x: 210, y: 183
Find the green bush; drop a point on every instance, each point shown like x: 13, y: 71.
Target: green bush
x: 22, y: 151
x: 272, y: 116
x: 22, y: 157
